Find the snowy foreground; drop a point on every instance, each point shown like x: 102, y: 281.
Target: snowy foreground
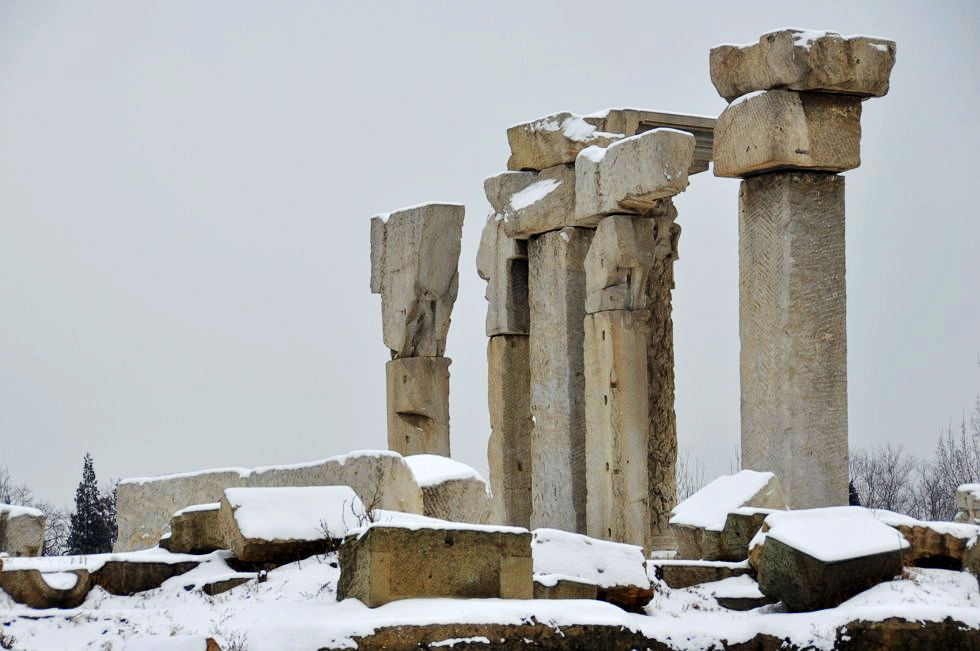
x: 296, y: 608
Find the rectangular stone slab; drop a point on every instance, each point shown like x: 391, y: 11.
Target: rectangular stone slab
x: 792, y: 326
x: 552, y: 140
x: 502, y: 262
x: 530, y: 203
x: 386, y: 563
x: 418, y: 405
x: 782, y: 129
x: 557, y: 298
x: 800, y: 60
x: 631, y: 122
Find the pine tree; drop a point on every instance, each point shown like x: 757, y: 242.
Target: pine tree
x: 93, y: 522
x: 852, y: 495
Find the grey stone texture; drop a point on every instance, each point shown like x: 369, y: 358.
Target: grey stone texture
x: 451, y: 490
x: 631, y: 175
x: 196, y: 530
x: 530, y: 203
x: 557, y: 299
x: 502, y: 262
x: 418, y: 405
x: 792, y: 320
x: 414, y: 258
x: 782, y: 129
x: 805, y: 61
x: 631, y: 122
x: 552, y: 140
x: 684, y: 574
x: 146, y: 505
x: 21, y: 530
x: 28, y: 587
x: 386, y: 563
x: 509, y: 447
x: 729, y: 544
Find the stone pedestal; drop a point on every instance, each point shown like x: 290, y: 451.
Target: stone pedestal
x: 557, y: 302
x: 418, y: 405
x: 509, y: 449
x: 792, y: 298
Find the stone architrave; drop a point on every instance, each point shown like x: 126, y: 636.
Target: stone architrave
x: 631, y: 432
x: 793, y: 334
x: 531, y: 203
x: 509, y: 448
x: 502, y: 262
x: 418, y: 405
x: 414, y: 258
x: 557, y: 300
x: 804, y: 60
x: 553, y: 140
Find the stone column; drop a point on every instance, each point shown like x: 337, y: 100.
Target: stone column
x: 631, y: 430
x: 414, y: 258
x: 788, y: 143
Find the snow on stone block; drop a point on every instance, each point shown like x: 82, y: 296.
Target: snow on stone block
x: 617, y: 570
x: 531, y: 203
x: 280, y: 525
x: 37, y: 589
x: 804, y: 60
x: 932, y: 544
x: 386, y: 562
x: 968, y: 500
x: 451, y: 490
x: 145, y: 505
x: 737, y: 593
x: 685, y: 573
x: 21, y: 530
x: 196, y: 530
x: 817, y: 558
x: 698, y: 523
x: 552, y: 140
x: 632, y: 175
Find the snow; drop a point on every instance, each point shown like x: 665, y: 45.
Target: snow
x: 194, y: 508
x: 708, y: 507
x: 747, y: 96
x: 93, y: 562
x: 433, y: 469
x: 955, y: 529
x: 573, y: 127
x: 172, y: 643
x: 737, y: 587
x: 385, y: 215
x: 561, y: 555
x: 594, y: 153
x: 834, y: 533
x: 412, y: 522
x: 806, y: 37
x: 453, y: 641
x: 533, y: 193
x: 14, y: 511
x: 294, y: 513
x: 60, y: 580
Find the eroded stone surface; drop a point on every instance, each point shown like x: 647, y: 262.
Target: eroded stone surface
x: 792, y: 318
x: 783, y: 129
x: 451, y: 490
x: 684, y: 574
x: 502, y: 262
x: 21, y: 530
x: 801, y: 60
x: 631, y: 122
x: 552, y: 140
x: 196, y: 530
x: 414, y: 257
x: 631, y: 175
x: 30, y: 588
x: 530, y: 203
x: 418, y: 405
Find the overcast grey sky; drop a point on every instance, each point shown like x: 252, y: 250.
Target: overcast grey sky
x: 185, y: 191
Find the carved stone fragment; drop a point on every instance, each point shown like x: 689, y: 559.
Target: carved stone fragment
x: 552, y: 140
x: 502, y: 262
x: 418, y: 405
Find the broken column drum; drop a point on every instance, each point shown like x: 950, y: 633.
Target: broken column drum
x: 414, y: 258
x: 788, y: 142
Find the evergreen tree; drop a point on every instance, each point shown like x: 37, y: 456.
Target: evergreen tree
x: 92, y: 529
x: 852, y: 495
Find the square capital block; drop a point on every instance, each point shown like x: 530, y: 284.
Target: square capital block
x: 553, y: 140
x: 418, y: 405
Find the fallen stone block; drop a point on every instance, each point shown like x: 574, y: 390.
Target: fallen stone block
x: 21, y: 530
x: 546, y: 588
x: 552, y: 140
x: 806, y: 61
x: 531, y: 203
x: 684, y: 573
x: 633, y: 175
x: 782, y: 129
x: 699, y: 522
x: 385, y: 562
x: 502, y: 262
x: 967, y: 501
x: 737, y: 593
x: 451, y: 490
x: 414, y: 258
x: 145, y: 505
x: 818, y: 558
x: 565, y: 562
x: 939, y: 545
x: 224, y: 584
x: 196, y: 530
x: 127, y: 577
x: 62, y: 589
x: 282, y: 525
x: 418, y: 404
x: 632, y: 122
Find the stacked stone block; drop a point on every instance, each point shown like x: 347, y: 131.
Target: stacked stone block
x: 414, y: 258
x: 792, y: 126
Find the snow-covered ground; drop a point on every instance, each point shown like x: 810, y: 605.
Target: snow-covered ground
x: 296, y: 608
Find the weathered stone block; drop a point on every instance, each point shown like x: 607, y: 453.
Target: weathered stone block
x: 502, y: 262
x: 792, y: 307
x: 418, y: 405
x: 33, y: 588
x: 127, y: 577
x: 564, y: 589
x: 552, y: 140
x: 451, y: 490
x: 685, y: 573
x: 414, y: 257
x: 196, y: 530
x: 932, y: 544
x: 631, y: 122
x: 633, y: 175
x: 531, y: 203
x: 557, y: 298
x: 145, y: 505
x: 781, y: 129
x: 21, y: 530
x: 384, y: 563
x: 802, y: 60
x: 509, y: 447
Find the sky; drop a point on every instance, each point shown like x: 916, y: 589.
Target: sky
x: 186, y: 188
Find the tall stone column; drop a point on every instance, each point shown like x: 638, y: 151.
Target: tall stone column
x: 789, y: 143
x: 631, y: 429
x: 414, y: 258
